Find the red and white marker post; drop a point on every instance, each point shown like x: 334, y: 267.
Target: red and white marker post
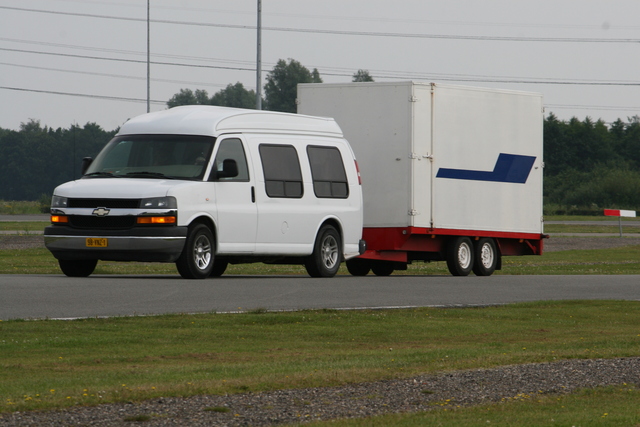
x: 620, y: 213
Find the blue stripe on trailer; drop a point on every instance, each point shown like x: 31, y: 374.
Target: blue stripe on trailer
x: 511, y: 168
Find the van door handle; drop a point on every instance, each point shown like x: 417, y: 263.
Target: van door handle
x: 253, y: 194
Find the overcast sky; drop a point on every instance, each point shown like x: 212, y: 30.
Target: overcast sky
x: 77, y: 61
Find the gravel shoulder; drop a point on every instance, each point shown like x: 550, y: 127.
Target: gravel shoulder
x: 421, y: 393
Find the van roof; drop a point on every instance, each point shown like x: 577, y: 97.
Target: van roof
x: 215, y: 121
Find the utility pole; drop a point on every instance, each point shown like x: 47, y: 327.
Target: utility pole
x: 148, y: 58
x: 259, y: 60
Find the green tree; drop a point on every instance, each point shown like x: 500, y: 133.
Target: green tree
x: 36, y: 159
x: 188, y: 97
x: 282, y: 84
x: 235, y: 96
x: 362, y: 76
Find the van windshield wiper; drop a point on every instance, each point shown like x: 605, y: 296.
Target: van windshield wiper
x: 102, y: 174
x: 147, y: 174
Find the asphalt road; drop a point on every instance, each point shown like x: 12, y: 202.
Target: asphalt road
x: 57, y: 296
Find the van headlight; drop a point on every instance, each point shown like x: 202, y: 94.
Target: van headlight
x: 59, y: 202
x: 168, y: 202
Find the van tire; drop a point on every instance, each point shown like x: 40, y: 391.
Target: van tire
x: 219, y: 267
x: 77, y: 268
x: 327, y: 253
x: 460, y: 256
x: 486, y: 257
x: 358, y: 266
x: 196, y: 260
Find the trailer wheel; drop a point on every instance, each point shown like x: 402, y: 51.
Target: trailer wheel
x: 358, y: 266
x: 196, y: 260
x: 77, y: 268
x: 486, y: 257
x: 327, y: 253
x: 382, y: 268
x: 460, y: 256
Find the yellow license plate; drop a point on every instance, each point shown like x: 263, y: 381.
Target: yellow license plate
x: 96, y: 242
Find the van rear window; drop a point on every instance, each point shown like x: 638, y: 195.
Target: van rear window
x: 281, y: 168
x: 327, y: 170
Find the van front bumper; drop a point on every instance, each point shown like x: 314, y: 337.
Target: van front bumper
x: 146, y: 244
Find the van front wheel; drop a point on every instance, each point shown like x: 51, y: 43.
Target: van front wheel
x: 327, y: 254
x: 196, y: 260
x: 77, y: 268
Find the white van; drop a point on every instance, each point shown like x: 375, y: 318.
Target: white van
x: 206, y: 186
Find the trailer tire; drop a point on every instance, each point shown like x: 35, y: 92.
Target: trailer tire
x: 460, y: 256
x: 382, y: 268
x: 77, y: 268
x: 196, y: 260
x: 358, y: 266
x: 486, y: 257
x: 327, y: 253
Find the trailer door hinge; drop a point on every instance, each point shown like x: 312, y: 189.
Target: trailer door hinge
x: 415, y: 156
x: 413, y: 98
x: 413, y: 212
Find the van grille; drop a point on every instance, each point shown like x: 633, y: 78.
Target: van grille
x: 102, y: 222
x: 104, y: 203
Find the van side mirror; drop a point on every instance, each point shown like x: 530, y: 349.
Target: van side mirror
x: 86, y: 162
x: 229, y: 170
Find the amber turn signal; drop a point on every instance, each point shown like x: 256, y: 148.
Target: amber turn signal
x: 156, y: 220
x: 59, y: 219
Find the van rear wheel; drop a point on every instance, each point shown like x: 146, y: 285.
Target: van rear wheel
x: 327, y: 253
x: 77, y: 268
x: 196, y: 260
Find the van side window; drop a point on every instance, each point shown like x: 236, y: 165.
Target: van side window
x: 327, y: 170
x: 281, y: 167
x: 231, y: 149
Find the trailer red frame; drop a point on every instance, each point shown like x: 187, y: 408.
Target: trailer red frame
x: 393, y: 248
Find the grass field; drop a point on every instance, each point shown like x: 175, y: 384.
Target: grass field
x: 50, y: 364
x: 623, y: 260
x: 56, y: 364
x: 607, y: 406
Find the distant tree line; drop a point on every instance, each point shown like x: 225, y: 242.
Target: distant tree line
x: 280, y: 91
x: 589, y: 165
x: 35, y: 159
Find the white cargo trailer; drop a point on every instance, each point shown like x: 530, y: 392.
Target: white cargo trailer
x: 449, y: 172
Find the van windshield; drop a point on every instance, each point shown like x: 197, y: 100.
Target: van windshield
x: 153, y: 156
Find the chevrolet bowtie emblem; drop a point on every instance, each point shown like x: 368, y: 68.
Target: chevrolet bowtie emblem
x: 101, y: 212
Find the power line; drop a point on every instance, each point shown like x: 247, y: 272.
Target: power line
x: 135, y: 61
x: 83, y: 95
x: 158, y: 102
x: 380, y: 74
x: 592, y: 107
x: 119, y: 76
x: 343, y: 32
x: 385, y: 19
x: 383, y: 75
x: 122, y: 51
